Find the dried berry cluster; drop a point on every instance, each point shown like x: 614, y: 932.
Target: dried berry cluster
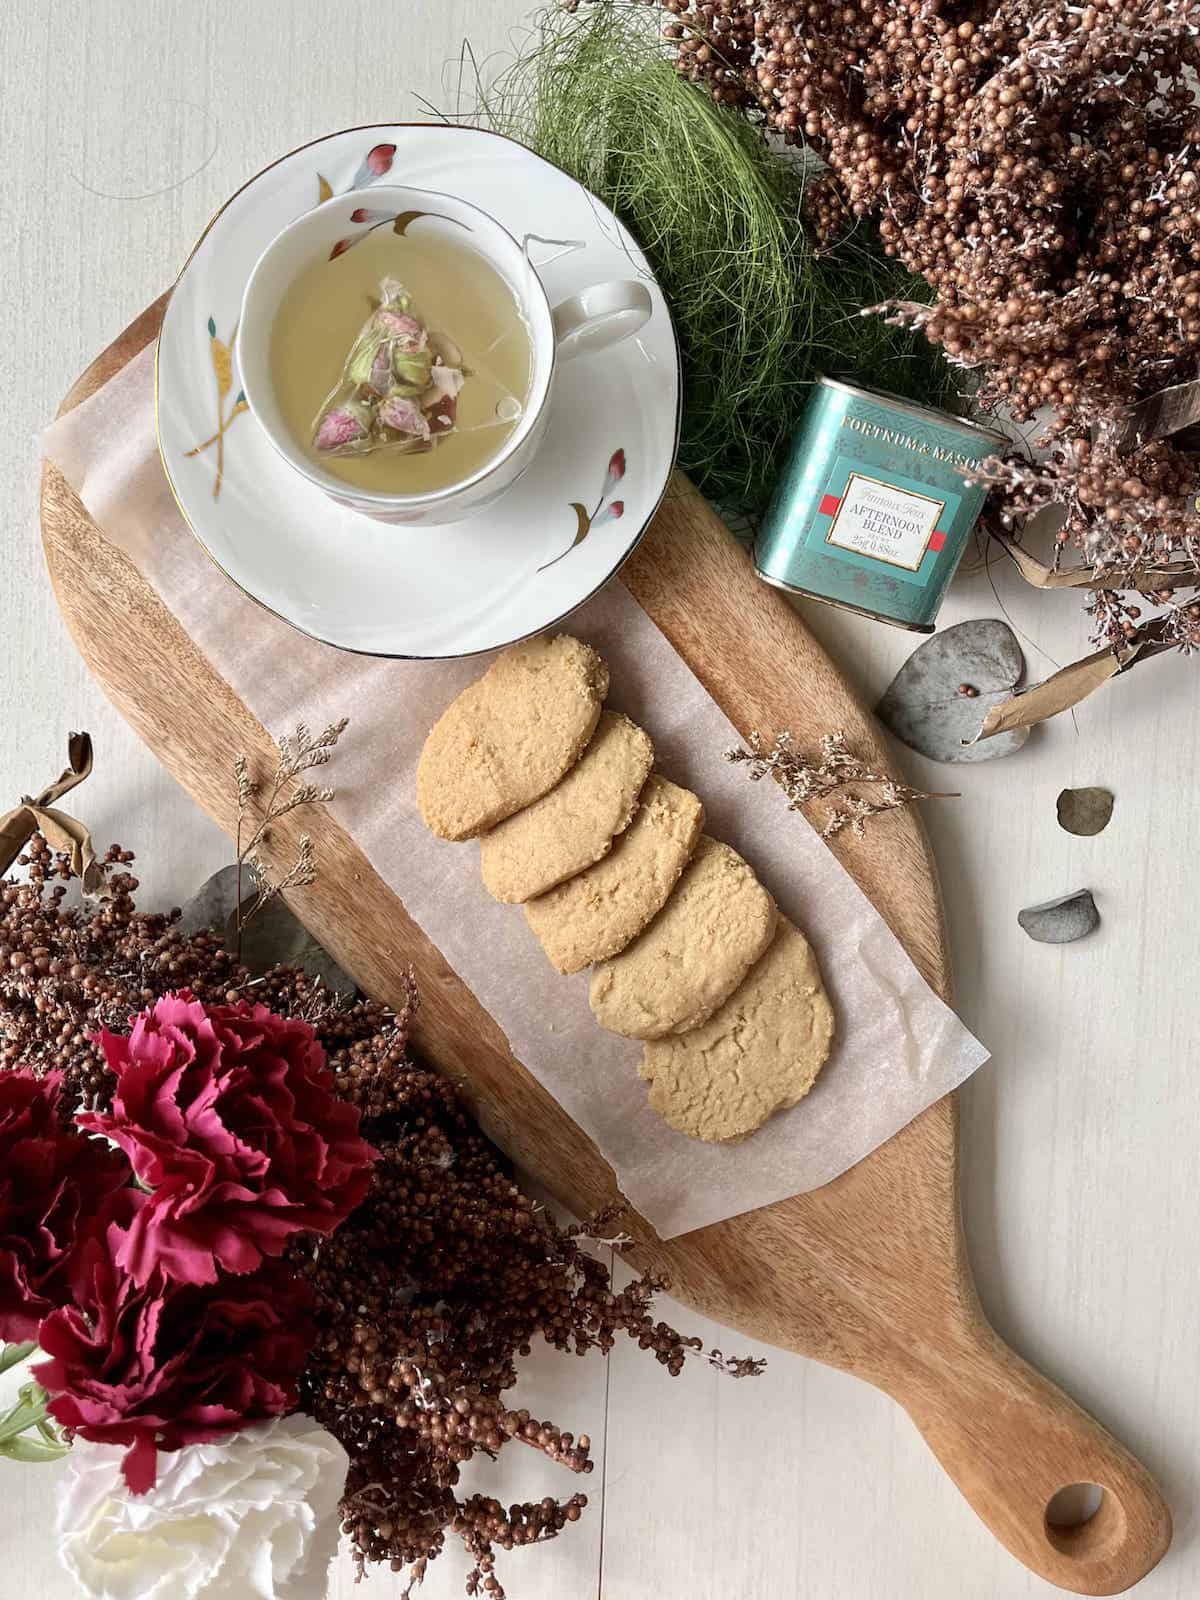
x: 1038, y: 162
x: 432, y: 1292
x: 65, y: 973
x: 825, y: 211
x: 453, y: 1272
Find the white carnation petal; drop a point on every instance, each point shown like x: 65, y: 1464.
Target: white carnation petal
x: 252, y: 1517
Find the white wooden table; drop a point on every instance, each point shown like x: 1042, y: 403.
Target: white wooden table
x: 123, y: 126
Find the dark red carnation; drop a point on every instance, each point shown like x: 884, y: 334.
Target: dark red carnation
x: 228, y: 1116
x: 53, y: 1188
x: 167, y: 1364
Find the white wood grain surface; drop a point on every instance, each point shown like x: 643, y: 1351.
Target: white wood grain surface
x: 123, y: 126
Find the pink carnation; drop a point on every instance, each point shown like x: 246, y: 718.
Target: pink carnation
x: 229, y: 1119
x: 167, y: 1364
x: 53, y: 1189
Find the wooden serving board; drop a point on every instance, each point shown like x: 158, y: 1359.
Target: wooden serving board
x: 868, y: 1273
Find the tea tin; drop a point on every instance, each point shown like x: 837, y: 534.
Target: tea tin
x: 872, y: 512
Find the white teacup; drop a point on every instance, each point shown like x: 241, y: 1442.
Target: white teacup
x: 592, y: 320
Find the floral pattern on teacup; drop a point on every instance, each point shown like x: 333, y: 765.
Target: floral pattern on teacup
x: 400, y: 223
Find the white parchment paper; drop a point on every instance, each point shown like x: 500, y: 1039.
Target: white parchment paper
x: 898, y: 1048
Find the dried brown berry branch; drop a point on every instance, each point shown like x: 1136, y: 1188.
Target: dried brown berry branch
x: 1038, y: 163
x: 806, y: 778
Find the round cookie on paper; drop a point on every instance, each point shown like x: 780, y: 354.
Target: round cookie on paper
x: 511, y: 735
x: 758, y: 1054
x: 574, y: 824
x: 598, y: 912
x: 691, y: 958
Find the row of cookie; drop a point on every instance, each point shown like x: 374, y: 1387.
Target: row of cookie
x: 611, y: 865
x: 528, y: 758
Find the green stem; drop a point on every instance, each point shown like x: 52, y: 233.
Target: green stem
x: 27, y: 1432
x: 11, y: 1355
x: 29, y: 1411
x: 37, y: 1450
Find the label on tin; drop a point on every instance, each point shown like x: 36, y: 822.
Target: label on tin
x: 878, y: 519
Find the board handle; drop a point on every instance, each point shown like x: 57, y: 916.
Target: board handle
x: 1011, y: 1440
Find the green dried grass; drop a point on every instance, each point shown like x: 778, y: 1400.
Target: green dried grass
x: 758, y: 310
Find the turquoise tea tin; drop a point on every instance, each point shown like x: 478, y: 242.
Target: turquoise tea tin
x: 872, y: 512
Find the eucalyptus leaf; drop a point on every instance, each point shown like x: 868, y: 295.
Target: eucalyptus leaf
x: 1061, y: 921
x: 273, y: 936
x: 1085, y: 811
x: 925, y: 705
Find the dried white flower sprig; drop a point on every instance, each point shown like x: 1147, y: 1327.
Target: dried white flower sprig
x: 806, y: 778
x: 299, y: 752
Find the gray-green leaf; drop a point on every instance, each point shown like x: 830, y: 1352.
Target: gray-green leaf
x: 1061, y: 921
x: 411, y: 369
x: 930, y: 704
x: 1085, y: 811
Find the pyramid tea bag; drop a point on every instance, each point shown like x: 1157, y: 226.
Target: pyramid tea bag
x: 399, y: 387
x: 402, y: 365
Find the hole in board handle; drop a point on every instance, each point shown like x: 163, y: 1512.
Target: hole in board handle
x: 1084, y: 1521
x: 1074, y: 1505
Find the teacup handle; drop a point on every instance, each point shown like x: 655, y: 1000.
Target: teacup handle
x: 601, y: 316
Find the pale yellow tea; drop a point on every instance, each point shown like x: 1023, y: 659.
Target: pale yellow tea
x: 403, y: 364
